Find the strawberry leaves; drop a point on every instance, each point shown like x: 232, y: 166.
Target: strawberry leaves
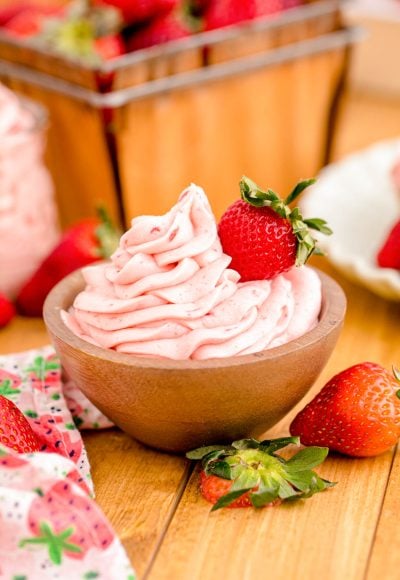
x: 254, y: 468
x: 107, y: 235
x: 306, y: 243
x: 298, y: 189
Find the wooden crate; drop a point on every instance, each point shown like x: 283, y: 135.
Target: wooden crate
x: 255, y: 98
x: 273, y: 123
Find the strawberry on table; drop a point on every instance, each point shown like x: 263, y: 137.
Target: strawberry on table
x: 357, y: 412
x: 250, y: 473
x: 7, y: 310
x: 86, y: 242
x: 264, y: 236
x: 15, y: 431
x: 389, y: 254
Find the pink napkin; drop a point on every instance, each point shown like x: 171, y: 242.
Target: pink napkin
x: 50, y: 527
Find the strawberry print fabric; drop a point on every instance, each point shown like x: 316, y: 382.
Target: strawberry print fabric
x: 50, y: 527
x: 54, y: 408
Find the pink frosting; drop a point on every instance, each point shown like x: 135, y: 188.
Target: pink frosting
x: 169, y: 292
x: 28, y: 229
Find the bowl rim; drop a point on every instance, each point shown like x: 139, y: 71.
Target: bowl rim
x: 332, y: 314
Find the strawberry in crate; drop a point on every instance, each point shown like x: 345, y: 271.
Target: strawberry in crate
x: 25, y: 19
x: 164, y: 27
x: 138, y: 11
x: 220, y: 13
x: 79, y: 30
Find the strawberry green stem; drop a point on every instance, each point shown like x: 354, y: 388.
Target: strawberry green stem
x: 107, y: 235
x: 74, y: 34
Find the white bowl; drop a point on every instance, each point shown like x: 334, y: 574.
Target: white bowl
x: 359, y: 201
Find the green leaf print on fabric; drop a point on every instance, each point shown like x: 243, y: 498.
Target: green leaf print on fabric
x: 55, y: 543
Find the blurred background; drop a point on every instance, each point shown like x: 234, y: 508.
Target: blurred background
x: 142, y: 97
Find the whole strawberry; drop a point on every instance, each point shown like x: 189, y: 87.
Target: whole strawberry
x: 29, y: 20
x: 79, y: 31
x: 263, y: 235
x: 249, y: 473
x: 15, y: 431
x: 10, y: 10
x: 86, y: 242
x: 221, y: 13
x: 136, y: 11
x: 164, y: 28
x: 356, y: 413
x: 7, y: 311
x: 389, y: 254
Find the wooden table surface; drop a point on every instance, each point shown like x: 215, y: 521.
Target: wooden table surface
x: 349, y: 532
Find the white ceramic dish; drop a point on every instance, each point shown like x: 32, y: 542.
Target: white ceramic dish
x: 358, y: 199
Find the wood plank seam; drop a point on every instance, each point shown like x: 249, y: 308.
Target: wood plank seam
x: 373, y: 541
x: 174, y: 506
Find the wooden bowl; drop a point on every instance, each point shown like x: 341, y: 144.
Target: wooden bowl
x: 179, y: 405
